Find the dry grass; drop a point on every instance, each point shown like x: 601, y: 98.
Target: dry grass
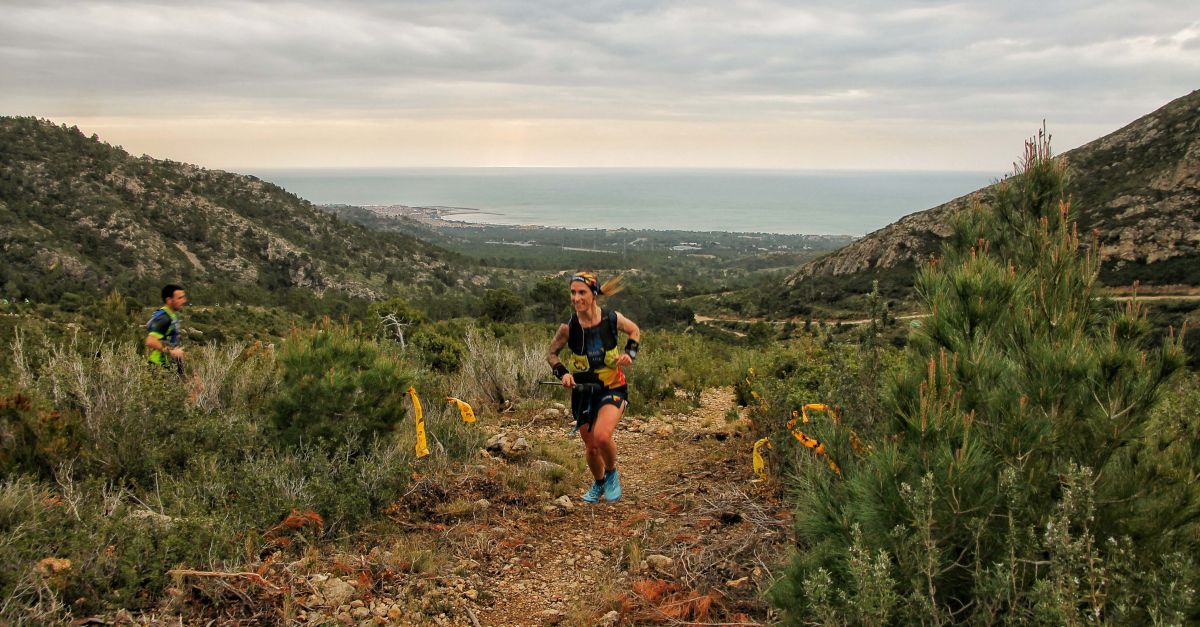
x: 749, y: 536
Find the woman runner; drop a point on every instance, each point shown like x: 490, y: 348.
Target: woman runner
x: 593, y: 371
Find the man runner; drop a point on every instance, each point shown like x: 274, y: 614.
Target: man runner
x: 163, y: 330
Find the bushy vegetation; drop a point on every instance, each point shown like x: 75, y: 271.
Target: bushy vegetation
x: 337, y: 386
x: 117, y: 471
x: 1019, y: 471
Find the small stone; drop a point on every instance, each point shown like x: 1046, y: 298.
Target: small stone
x: 360, y: 613
x: 394, y: 613
x: 611, y: 618
x: 542, y: 465
x: 481, y: 504
x: 335, y: 592
x: 357, y: 603
x: 737, y: 583
x: 559, y: 406
x: 659, y: 562
x: 564, y: 502
x: 518, y: 448
x: 550, y: 509
x: 472, y: 594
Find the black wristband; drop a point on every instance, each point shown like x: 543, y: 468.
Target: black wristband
x: 631, y: 348
x: 560, y: 371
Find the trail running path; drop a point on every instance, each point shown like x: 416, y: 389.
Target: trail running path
x: 692, y: 540
x: 687, y: 541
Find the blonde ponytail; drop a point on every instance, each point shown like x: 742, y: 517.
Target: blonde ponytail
x: 613, y: 285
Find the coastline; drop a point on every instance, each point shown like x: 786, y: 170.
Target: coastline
x: 442, y: 217
x: 434, y: 216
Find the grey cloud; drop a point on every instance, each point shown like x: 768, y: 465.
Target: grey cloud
x: 609, y: 59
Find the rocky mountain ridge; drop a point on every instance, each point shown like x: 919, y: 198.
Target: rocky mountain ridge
x: 1138, y: 188
x: 77, y: 214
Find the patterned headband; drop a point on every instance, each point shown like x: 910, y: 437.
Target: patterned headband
x: 588, y: 279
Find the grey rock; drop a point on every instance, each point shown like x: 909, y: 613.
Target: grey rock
x: 334, y: 592
x: 542, y: 465
x: 660, y: 563
x: 518, y: 448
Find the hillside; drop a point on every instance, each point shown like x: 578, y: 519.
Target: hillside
x: 79, y: 215
x: 1138, y: 188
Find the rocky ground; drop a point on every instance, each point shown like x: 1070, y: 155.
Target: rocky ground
x: 688, y: 541
x: 507, y: 541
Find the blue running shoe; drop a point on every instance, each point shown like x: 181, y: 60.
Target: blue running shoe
x: 593, y: 493
x: 612, y: 486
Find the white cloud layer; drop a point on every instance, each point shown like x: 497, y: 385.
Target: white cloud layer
x: 612, y: 82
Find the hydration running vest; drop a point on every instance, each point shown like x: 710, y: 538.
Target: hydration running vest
x: 578, y: 361
x: 163, y: 325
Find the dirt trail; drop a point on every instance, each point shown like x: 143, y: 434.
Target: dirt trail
x: 692, y: 540
x: 685, y: 520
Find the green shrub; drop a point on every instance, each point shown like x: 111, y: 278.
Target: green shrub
x: 1020, y: 474
x: 116, y: 552
x: 670, y: 361
x: 438, y: 348
x: 337, y: 386
x: 502, y: 305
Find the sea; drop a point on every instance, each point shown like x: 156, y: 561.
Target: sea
x: 764, y: 201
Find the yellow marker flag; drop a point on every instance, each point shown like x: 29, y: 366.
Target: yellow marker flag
x: 760, y: 464
x: 468, y: 414
x: 832, y: 411
x: 419, y: 419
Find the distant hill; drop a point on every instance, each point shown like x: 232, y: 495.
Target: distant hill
x: 79, y: 215
x: 1138, y: 187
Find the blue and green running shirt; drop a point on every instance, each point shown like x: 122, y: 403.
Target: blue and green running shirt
x: 164, y: 325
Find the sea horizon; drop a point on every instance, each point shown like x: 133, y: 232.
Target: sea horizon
x: 812, y: 202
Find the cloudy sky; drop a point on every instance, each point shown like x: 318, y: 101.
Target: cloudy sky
x: 858, y: 84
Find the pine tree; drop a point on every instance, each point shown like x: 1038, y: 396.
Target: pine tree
x: 337, y: 386
x: 1005, y: 486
